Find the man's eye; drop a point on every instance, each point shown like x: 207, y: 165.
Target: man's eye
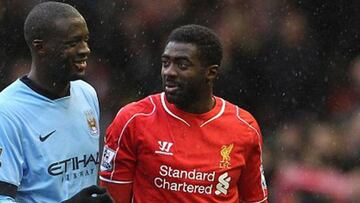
x: 183, y: 65
x: 165, y: 63
x: 72, y: 43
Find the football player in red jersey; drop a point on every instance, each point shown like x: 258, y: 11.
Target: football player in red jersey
x: 185, y: 144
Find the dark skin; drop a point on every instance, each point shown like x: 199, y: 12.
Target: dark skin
x: 61, y: 56
x: 188, y: 84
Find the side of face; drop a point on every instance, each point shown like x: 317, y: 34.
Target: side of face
x: 66, y: 50
x: 183, y: 75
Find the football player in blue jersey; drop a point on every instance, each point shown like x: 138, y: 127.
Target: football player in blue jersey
x: 49, y: 119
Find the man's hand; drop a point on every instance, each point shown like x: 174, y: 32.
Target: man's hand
x: 92, y: 194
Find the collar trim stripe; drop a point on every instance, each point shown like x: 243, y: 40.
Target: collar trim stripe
x: 169, y: 112
x: 217, y: 116
x: 182, y: 120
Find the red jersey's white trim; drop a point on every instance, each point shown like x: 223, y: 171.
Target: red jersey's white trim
x: 263, y: 200
x: 123, y: 129
x: 177, y: 117
x: 169, y: 112
x: 248, y: 124
x: 217, y: 115
x: 259, y: 136
x: 114, y: 181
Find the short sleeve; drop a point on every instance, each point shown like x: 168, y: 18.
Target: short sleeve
x: 11, y: 153
x: 119, y: 157
x: 252, y: 185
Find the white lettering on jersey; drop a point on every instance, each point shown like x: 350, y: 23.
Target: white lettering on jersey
x: 164, y: 148
x: 223, y: 185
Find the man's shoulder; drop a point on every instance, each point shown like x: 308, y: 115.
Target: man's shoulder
x: 80, y: 87
x: 11, y: 96
x: 239, y: 112
x: 242, y: 116
x: 142, y: 106
x: 81, y: 84
x: 11, y: 90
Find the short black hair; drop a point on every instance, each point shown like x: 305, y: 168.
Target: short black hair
x: 206, y: 41
x: 40, y: 21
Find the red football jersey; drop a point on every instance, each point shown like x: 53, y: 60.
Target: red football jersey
x: 169, y: 154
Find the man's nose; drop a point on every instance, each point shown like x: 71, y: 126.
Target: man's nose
x: 170, y: 70
x: 84, y: 48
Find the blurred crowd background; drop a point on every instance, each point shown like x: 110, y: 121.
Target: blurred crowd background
x: 295, y: 65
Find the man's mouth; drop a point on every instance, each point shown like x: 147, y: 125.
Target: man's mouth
x: 81, y: 65
x: 171, y: 87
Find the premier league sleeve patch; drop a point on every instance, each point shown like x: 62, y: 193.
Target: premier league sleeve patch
x: 107, y: 158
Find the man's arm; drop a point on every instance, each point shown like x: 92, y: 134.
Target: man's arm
x: 121, y: 193
x: 7, y: 190
x: 252, y: 185
x: 118, y: 162
x: 11, y: 157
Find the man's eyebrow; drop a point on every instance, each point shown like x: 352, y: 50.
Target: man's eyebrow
x: 176, y: 57
x: 79, y: 37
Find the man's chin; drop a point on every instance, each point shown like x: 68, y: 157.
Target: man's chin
x: 171, y: 98
x: 77, y: 76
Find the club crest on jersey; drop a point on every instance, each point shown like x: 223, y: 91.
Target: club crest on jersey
x: 107, y: 158
x: 90, y: 118
x: 165, y: 148
x: 225, y: 154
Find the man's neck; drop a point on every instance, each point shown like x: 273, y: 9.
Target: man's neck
x: 199, y: 106
x: 46, y: 82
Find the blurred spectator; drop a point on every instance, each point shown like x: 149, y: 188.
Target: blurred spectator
x: 346, y: 98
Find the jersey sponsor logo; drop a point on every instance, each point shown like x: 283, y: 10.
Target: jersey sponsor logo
x: 168, y: 175
x: 107, y: 158
x: 225, y: 154
x: 75, y: 167
x: 223, y: 185
x: 192, y: 181
x: 165, y: 148
x: 43, y: 138
x: 90, y: 118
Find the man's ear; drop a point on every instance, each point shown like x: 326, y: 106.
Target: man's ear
x: 38, y: 45
x: 212, y: 72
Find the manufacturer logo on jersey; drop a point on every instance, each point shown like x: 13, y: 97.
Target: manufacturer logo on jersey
x: 43, y: 138
x: 225, y: 154
x: 223, y: 185
x: 165, y: 148
x: 91, y: 122
x: 106, y: 161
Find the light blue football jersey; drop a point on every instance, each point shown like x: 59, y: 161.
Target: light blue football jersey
x: 49, y: 148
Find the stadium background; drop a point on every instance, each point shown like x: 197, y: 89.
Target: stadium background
x: 293, y: 64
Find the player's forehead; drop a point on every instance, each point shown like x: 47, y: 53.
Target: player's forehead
x: 179, y: 50
x: 72, y: 26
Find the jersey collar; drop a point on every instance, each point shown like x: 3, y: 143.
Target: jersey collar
x: 36, y: 88
x: 194, y: 119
